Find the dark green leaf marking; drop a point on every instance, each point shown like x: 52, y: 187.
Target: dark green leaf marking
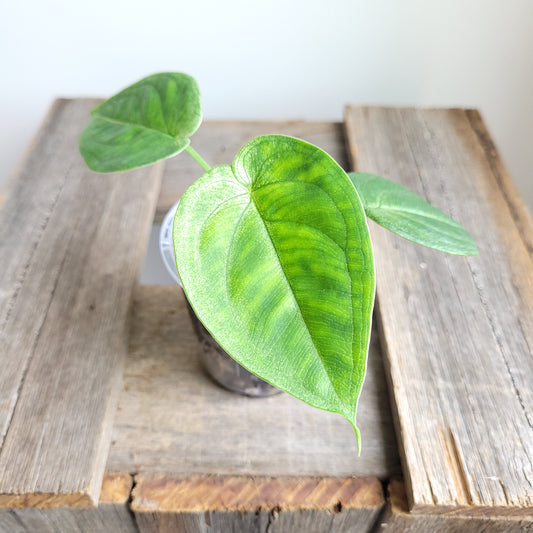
x: 403, y: 212
x: 146, y: 122
x: 275, y: 257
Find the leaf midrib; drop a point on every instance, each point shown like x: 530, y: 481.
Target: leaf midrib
x: 141, y: 126
x: 413, y: 215
x: 341, y: 403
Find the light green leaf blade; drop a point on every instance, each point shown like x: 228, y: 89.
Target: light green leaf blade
x: 275, y: 258
x: 403, y: 212
x: 146, y: 122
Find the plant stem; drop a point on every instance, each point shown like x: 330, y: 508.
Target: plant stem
x: 197, y: 157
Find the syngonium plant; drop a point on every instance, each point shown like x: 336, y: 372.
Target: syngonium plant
x: 273, y: 251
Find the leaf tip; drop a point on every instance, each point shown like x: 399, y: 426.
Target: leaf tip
x: 469, y: 249
x: 474, y: 250
x: 357, y: 437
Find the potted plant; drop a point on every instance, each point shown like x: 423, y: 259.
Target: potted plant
x: 273, y: 251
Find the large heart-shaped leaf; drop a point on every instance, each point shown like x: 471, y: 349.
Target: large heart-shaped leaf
x: 146, y: 122
x: 275, y: 258
x: 403, y: 212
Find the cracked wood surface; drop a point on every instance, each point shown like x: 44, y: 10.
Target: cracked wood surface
x: 456, y: 332
x: 113, y: 514
x: 238, y: 503
x: 71, y: 246
x: 398, y: 518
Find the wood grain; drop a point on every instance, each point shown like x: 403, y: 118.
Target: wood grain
x: 71, y: 244
x: 241, y: 503
x: 456, y: 335
x: 398, y: 518
x: 517, y: 207
x: 111, y: 515
x: 173, y: 418
x: 219, y: 141
x: 457, y: 332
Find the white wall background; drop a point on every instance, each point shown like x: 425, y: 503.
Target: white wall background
x: 277, y: 59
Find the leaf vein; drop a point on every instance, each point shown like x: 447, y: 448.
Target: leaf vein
x: 341, y: 403
x: 140, y: 126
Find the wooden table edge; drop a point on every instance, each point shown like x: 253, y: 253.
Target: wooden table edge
x: 199, y: 493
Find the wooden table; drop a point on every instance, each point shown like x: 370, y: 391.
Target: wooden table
x: 107, y: 422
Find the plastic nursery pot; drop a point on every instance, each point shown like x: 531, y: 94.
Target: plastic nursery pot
x: 216, y: 362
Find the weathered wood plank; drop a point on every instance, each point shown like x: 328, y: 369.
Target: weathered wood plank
x: 398, y: 518
x: 238, y: 503
x: 173, y: 418
x: 111, y: 515
x: 517, y: 207
x: 219, y: 142
x: 71, y: 244
x: 457, y: 332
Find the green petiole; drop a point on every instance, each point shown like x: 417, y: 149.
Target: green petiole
x: 197, y: 157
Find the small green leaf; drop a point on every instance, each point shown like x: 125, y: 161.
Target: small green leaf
x: 275, y: 257
x: 403, y: 212
x: 146, y: 122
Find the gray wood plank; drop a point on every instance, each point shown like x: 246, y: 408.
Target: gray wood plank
x: 457, y: 332
x: 219, y: 141
x: 71, y: 245
x: 517, y: 207
x: 244, y: 504
x: 173, y: 418
x: 263, y: 521
x: 111, y: 515
x: 398, y: 518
